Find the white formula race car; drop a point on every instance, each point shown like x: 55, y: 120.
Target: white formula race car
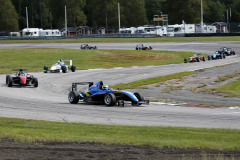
x: 59, y: 67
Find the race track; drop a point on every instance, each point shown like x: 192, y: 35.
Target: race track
x: 49, y: 101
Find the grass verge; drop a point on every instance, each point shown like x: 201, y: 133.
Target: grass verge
x: 31, y: 131
x: 35, y: 59
x: 232, y: 88
x: 155, y: 80
x: 127, y: 40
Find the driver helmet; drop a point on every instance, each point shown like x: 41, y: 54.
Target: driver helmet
x: 216, y: 51
x: 105, y: 87
x: 22, y: 73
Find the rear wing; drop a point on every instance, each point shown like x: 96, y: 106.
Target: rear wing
x: 19, y: 69
x: 74, y: 85
x: 70, y: 61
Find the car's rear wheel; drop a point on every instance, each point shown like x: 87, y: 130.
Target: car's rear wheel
x: 110, y: 99
x: 185, y: 60
x: 35, y: 82
x: 73, y: 97
x: 73, y: 68
x: 10, y: 81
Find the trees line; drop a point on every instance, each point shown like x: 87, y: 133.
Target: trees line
x: 49, y: 14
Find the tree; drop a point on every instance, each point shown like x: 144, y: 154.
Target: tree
x: 133, y: 13
x: 214, y: 12
x: 187, y: 10
x: 8, y: 16
x: 235, y: 11
x: 102, y: 13
x: 153, y: 7
x: 38, y: 13
x: 75, y: 13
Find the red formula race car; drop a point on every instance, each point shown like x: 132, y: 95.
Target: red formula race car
x: 21, y: 79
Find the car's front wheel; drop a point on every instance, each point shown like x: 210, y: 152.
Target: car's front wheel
x: 10, y: 81
x: 45, y: 69
x: 7, y: 76
x: 110, y: 99
x: 139, y: 97
x: 35, y: 82
x: 73, y: 97
x: 64, y: 69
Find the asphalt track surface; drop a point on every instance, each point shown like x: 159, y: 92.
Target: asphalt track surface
x: 49, y: 101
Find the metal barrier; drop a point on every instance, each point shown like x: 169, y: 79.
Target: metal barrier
x: 79, y: 36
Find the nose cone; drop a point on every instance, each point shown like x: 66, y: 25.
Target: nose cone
x: 23, y: 79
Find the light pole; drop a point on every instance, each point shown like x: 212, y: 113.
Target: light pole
x: 119, y: 17
x: 66, y: 19
x: 27, y: 16
x: 201, y: 16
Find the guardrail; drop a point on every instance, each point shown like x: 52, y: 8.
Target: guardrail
x: 79, y: 36
x: 115, y: 36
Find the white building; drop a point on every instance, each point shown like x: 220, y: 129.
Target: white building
x: 26, y: 32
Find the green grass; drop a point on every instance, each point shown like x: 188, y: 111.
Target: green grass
x: 155, y: 80
x: 31, y: 131
x: 35, y: 59
x: 232, y: 89
x: 136, y: 40
x: 226, y: 77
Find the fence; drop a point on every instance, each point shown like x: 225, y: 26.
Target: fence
x: 79, y: 36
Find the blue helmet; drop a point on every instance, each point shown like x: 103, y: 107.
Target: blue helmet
x: 22, y: 73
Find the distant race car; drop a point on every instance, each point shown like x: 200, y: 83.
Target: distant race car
x: 227, y: 51
x: 216, y: 55
x: 21, y: 79
x: 194, y: 58
x: 60, y: 66
x: 143, y: 47
x: 86, y: 46
x: 99, y: 93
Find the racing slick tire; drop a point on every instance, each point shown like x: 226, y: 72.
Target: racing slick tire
x: 203, y: 59
x: 209, y: 58
x: 73, y: 68
x: 35, y: 82
x: 185, y: 60
x: 198, y: 60
x: 110, y: 99
x: 139, y: 97
x: 136, y: 48
x: 64, y: 69
x: 73, y: 97
x: 94, y: 47
x: 223, y: 56
x: 45, y: 69
x: 233, y: 53
x: 150, y: 47
x: 7, y: 76
x: 10, y: 81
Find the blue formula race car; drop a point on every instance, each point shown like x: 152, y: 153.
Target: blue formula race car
x: 216, y: 55
x: 99, y: 93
